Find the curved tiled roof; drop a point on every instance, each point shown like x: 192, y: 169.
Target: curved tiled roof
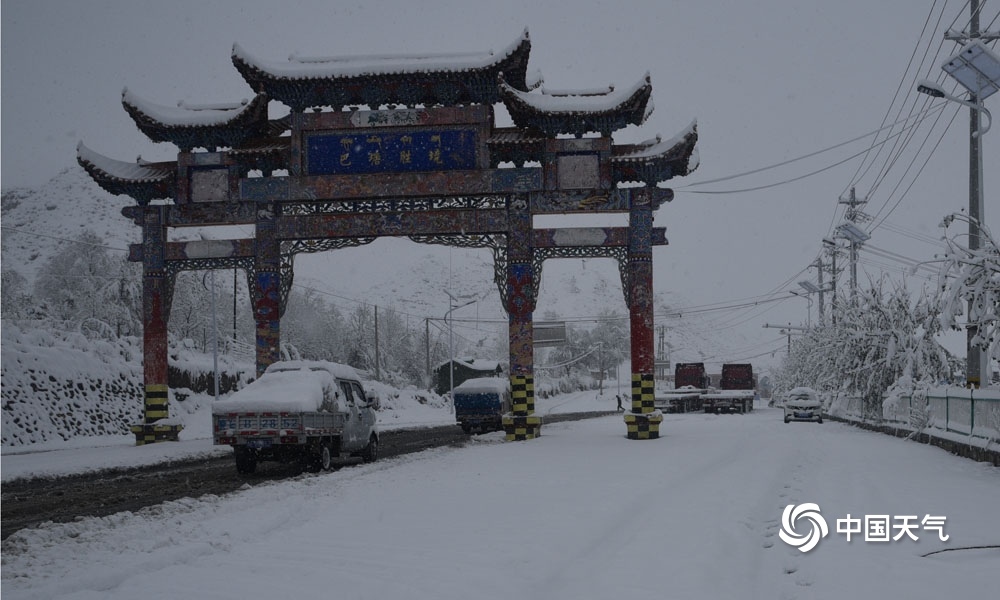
x: 188, y: 127
x: 577, y: 114
x: 656, y: 160
x: 428, y: 79
x: 143, y: 181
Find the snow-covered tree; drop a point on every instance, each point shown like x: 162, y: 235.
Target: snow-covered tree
x: 190, y: 315
x: 85, y: 283
x: 971, y: 277
x: 314, y: 326
x: 15, y: 298
x: 882, y: 339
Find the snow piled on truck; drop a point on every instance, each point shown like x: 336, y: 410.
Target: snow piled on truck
x: 298, y: 390
x: 484, y: 385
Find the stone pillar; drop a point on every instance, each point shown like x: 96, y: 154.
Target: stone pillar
x: 521, y: 423
x: 267, y: 287
x: 643, y: 422
x: 156, y: 297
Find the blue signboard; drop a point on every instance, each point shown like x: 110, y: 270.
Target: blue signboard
x: 383, y: 152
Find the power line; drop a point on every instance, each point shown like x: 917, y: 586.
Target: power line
x: 53, y: 237
x: 809, y: 155
x: 995, y: 17
x: 810, y: 174
x: 893, y: 155
x: 921, y: 170
x: 888, y: 110
x: 914, y: 235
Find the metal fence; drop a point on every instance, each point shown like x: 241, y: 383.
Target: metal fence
x: 969, y: 412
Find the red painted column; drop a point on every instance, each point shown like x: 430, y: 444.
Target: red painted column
x: 643, y: 422
x: 267, y: 287
x: 521, y: 423
x: 156, y: 290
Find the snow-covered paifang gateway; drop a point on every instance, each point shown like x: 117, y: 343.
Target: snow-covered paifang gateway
x: 427, y: 162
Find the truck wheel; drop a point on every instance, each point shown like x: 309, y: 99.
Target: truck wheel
x: 246, y: 462
x: 325, y: 459
x: 312, y: 459
x: 370, y: 453
x: 466, y: 428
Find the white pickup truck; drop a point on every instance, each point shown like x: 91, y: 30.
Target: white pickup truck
x: 308, y: 412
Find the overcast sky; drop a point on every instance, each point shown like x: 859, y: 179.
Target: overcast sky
x: 767, y: 81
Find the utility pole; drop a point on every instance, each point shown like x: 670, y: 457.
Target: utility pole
x: 235, y: 279
x: 832, y: 248
x: 661, y: 347
x: 377, y: 374
x: 819, y: 279
x: 975, y: 361
x: 787, y: 330
x: 427, y: 343
x: 854, y: 215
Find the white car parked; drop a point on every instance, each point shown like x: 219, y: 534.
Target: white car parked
x: 802, y: 404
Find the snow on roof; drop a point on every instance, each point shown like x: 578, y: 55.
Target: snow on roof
x: 336, y: 369
x: 656, y: 146
x: 484, y: 385
x: 359, y: 66
x: 476, y: 364
x: 185, y: 115
x: 280, y: 391
x: 603, y: 91
x: 117, y: 169
x: 585, y: 101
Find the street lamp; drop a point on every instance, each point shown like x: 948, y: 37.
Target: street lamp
x: 936, y: 91
x: 451, y: 338
x: 977, y: 68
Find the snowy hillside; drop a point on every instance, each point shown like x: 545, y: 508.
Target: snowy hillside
x: 37, y: 221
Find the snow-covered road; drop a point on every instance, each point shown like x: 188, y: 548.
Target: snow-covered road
x: 581, y: 512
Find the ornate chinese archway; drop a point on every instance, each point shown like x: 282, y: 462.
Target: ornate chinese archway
x: 429, y: 164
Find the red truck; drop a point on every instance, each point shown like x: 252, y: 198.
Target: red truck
x: 690, y: 382
x: 736, y: 393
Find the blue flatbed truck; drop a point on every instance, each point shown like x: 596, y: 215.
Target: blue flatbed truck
x: 481, y: 403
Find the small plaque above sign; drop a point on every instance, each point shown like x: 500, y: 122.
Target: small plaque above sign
x: 210, y: 185
x: 579, y: 172
x: 387, y: 118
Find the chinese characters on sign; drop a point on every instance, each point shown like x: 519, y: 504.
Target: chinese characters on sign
x: 369, y: 152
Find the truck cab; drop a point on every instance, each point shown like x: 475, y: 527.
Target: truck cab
x: 480, y: 403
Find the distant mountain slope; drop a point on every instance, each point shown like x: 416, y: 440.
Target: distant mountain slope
x: 64, y: 207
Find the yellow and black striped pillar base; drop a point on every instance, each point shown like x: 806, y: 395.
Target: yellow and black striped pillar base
x: 522, y: 427
x: 151, y: 434
x: 155, y: 407
x: 521, y: 423
x: 643, y: 427
x: 522, y: 392
x: 643, y: 391
x: 643, y: 422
